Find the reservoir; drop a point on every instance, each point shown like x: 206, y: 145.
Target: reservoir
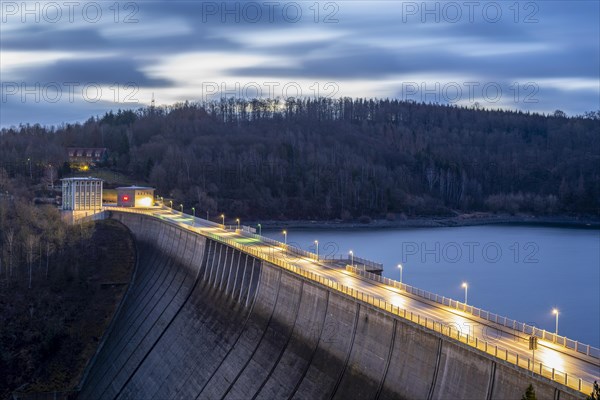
x: 522, y: 272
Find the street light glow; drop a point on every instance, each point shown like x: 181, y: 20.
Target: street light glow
x: 400, y: 268
x: 464, y: 285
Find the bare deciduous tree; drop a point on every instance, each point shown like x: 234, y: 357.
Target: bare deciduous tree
x: 48, y: 249
x: 30, y: 242
x: 9, y: 235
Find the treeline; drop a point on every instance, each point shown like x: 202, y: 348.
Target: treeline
x: 344, y: 158
x: 36, y: 246
x: 53, y: 306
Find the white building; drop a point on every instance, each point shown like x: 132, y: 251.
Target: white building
x: 135, y: 196
x: 81, y: 194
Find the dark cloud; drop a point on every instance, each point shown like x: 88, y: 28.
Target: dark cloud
x: 43, y: 38
x: 352, y: 63
x: 109, y: 71
x: 37, y: 38
x: 562, y: 38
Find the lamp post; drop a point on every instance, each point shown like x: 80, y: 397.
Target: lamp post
x: 208, y: 219
x: 238, y: 223
x: 171, y: 201
x: 285, y: 238
x: 259, y: 230
x: 194, y: 214
x: 555, y: 312
x: 466, y: 286
x: 317, y: 245
x: 351, y: 257
x: 223, y: 218
x: 400, y: 268
x: 181, y: 205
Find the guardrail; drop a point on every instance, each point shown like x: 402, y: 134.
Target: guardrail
x: 358, y: 262
x: 478, y: 312
x: 367, y: 263
x: 570, y: 380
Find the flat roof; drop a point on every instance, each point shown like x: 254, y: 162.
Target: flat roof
x: 135, y: 188
x: 81, y: 178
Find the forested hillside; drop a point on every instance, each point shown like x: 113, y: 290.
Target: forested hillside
x: 59, y: 287
x: 325, y: 159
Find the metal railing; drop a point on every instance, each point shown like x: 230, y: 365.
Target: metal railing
x: 538, y: 368
x: 478, y: 312
x: 570, y: 380
x: 365, y: 263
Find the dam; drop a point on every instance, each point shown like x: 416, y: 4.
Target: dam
x: 215, y: 313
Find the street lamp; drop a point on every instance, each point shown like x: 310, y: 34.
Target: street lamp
x: 223, y: 217
x: 317, y: 245
x: 181, y: 205
x: 555, y: 312
x: 466, y: 289
x: 352, y: 257
x: 259, y: 230
x: 171, y: 201
x: 400, y: 268
x: 285, y: 238
x: 194, y: 214
x: 238, y: 223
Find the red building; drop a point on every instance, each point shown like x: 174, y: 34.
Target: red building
x: 85, y: 157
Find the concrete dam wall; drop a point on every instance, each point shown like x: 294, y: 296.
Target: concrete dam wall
x: 202, y: 320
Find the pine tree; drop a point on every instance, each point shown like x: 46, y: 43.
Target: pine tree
x: 529, y: 393
x: 595, y: 392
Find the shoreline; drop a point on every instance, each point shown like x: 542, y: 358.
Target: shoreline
x: 438, y: 222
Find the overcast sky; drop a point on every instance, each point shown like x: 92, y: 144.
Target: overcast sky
x: 67, y: 61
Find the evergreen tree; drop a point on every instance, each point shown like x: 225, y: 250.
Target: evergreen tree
x: 529, y: 393
x: 595, y: 392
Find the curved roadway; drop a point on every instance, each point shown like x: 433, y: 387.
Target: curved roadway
x: 563, y: 360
